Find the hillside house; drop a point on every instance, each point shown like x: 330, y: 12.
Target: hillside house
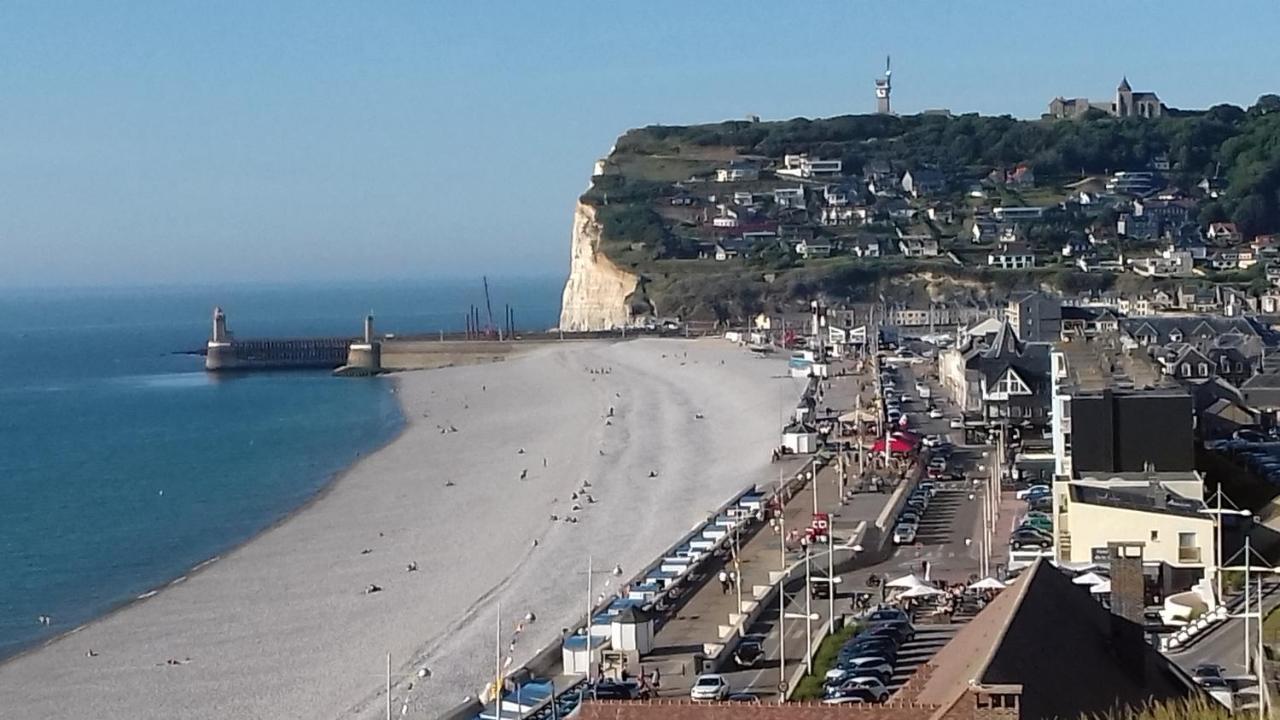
x: 1212, y: 187
x: 802, y: 166
x: 789, y: 197
x: 726, y: 217
x: 844, y: 215
x: 915, y: 246
x: 1013, y: 256
x: 922, y: 182
x: 1017, y: 214
x: 864, y: 247
x: 984, y: 229
x: 738, y: 171
x: 1223, y: 233
x: 814, y: 248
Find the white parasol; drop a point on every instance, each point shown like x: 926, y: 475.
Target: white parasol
x: 1089, y: 578
x: 907, y: 581
x: 921, y: 591
x: 989, y: 583
x: 1100, y: 588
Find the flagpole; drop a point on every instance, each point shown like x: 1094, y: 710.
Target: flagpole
x: 590, y: 666
x: 497, y: 663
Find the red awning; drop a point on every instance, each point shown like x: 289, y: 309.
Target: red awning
x: 897, y: 445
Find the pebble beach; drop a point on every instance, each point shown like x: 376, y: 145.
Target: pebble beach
x: 477, y: 496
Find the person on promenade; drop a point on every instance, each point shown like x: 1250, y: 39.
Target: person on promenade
x: 724, y: 582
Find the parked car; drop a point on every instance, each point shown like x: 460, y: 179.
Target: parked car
x: 886, y: 614
x: 709, y: 687
x: 1029, y: 537
x: 1037, y: 523
x: 909, y: 517
x: 856, y: 695
x: 1042, y: 504
x: 1033, y: 492
x: 956, y: 423
x: 931, y: 441
x: 614, y: 690
x: 936, y: 413
x: 860, y: 667
x: 872, y: 685
x: 927, y: 488
x: 743, y: 698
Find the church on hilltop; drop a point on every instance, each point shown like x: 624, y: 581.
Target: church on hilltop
x: 1127, y: 103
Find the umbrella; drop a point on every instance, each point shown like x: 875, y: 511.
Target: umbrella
x: 921, y: 591
x: 988, y: 584
x: 895, y: 445
x: 1089, y: 578
x: 907, y: 581
x: 1100, y: 588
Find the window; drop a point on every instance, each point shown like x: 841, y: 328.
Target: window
x: 1186, y: 539
x: 1155, y: 535
x: 1186, y: 369
x: 1204, y: 369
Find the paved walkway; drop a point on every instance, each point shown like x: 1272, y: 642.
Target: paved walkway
x: 697, y: 621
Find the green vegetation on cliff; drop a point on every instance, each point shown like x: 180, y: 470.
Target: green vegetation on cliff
x: 661, y: 207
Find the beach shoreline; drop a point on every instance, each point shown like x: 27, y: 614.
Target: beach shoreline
x: 445, y: 639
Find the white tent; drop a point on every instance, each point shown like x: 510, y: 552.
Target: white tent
x: 907, y: 581
x: 1100, y: 588
x: 1089, y: 578
x: 921, y: 591
x: 988, y: 584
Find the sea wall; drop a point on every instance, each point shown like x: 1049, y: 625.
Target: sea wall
x: 595, y: 296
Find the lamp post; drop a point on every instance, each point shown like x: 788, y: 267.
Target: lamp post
x: 782, y: 601
x: 808, y: 610
x: 1217, y: 513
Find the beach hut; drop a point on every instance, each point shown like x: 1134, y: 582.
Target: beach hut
x: 632, y: 631
x: 800, y: 438
x: 578, y: 654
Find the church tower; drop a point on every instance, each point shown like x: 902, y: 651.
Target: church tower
x: 883, y: 88
x: 1124, y: 99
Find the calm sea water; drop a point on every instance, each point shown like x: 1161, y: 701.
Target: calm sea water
x: 122, y: 464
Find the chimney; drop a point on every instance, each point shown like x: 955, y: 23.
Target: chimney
x: 1128, y: 598
x: 1128, y: 590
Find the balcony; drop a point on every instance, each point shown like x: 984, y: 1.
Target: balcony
x: 1189, y: 555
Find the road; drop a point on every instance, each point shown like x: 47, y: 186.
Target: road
x: 951, y: 519
x: 1224, y: 645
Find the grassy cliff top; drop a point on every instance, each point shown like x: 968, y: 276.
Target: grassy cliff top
x: 668, y: 218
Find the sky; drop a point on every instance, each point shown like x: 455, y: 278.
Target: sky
x: 203, y: 142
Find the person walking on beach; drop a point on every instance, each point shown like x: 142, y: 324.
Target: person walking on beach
x: 724, y: 583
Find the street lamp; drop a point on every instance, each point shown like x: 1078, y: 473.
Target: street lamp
x: 1217, y: 513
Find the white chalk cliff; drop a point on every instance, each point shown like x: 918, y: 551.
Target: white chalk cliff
x: 595, y: 296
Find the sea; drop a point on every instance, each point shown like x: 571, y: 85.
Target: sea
x: 123, y: 464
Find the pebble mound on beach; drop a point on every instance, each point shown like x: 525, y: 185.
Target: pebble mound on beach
x: 411, y: 552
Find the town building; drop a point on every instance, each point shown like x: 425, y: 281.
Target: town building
x: 1035, y: 316
x: 1011, y: 256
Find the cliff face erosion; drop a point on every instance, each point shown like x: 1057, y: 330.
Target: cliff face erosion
x: 595, y: 296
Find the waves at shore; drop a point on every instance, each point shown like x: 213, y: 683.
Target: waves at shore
x: 283, y: 627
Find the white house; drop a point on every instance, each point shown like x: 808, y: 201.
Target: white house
x: 1016, y: 214
x: 1012, y: 257
x: 726, y: 217
x: 918, y: 246
x: 802, y: 166
x: 789, y: 197
x: 738, y: 171
x: 814, y: 247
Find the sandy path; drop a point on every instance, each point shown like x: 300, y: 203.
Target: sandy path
x: 281, y: 628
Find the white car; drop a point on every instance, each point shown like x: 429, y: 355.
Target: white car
x: 956, y: 424
x: 870, y: 684
x: 936, y: 413
x: 709, y: 687
x: 1033, y: 491
x: 904, y: 534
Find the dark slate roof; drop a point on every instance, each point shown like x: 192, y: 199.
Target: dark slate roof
x: 1190, y: 326
x: 1098, y: 661
x: 1030, y: 360
x: 1154, y: 498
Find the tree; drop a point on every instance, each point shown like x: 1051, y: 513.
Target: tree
x: 1268, y: 103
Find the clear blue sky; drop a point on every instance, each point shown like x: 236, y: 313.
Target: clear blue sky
x: 167, y: 142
